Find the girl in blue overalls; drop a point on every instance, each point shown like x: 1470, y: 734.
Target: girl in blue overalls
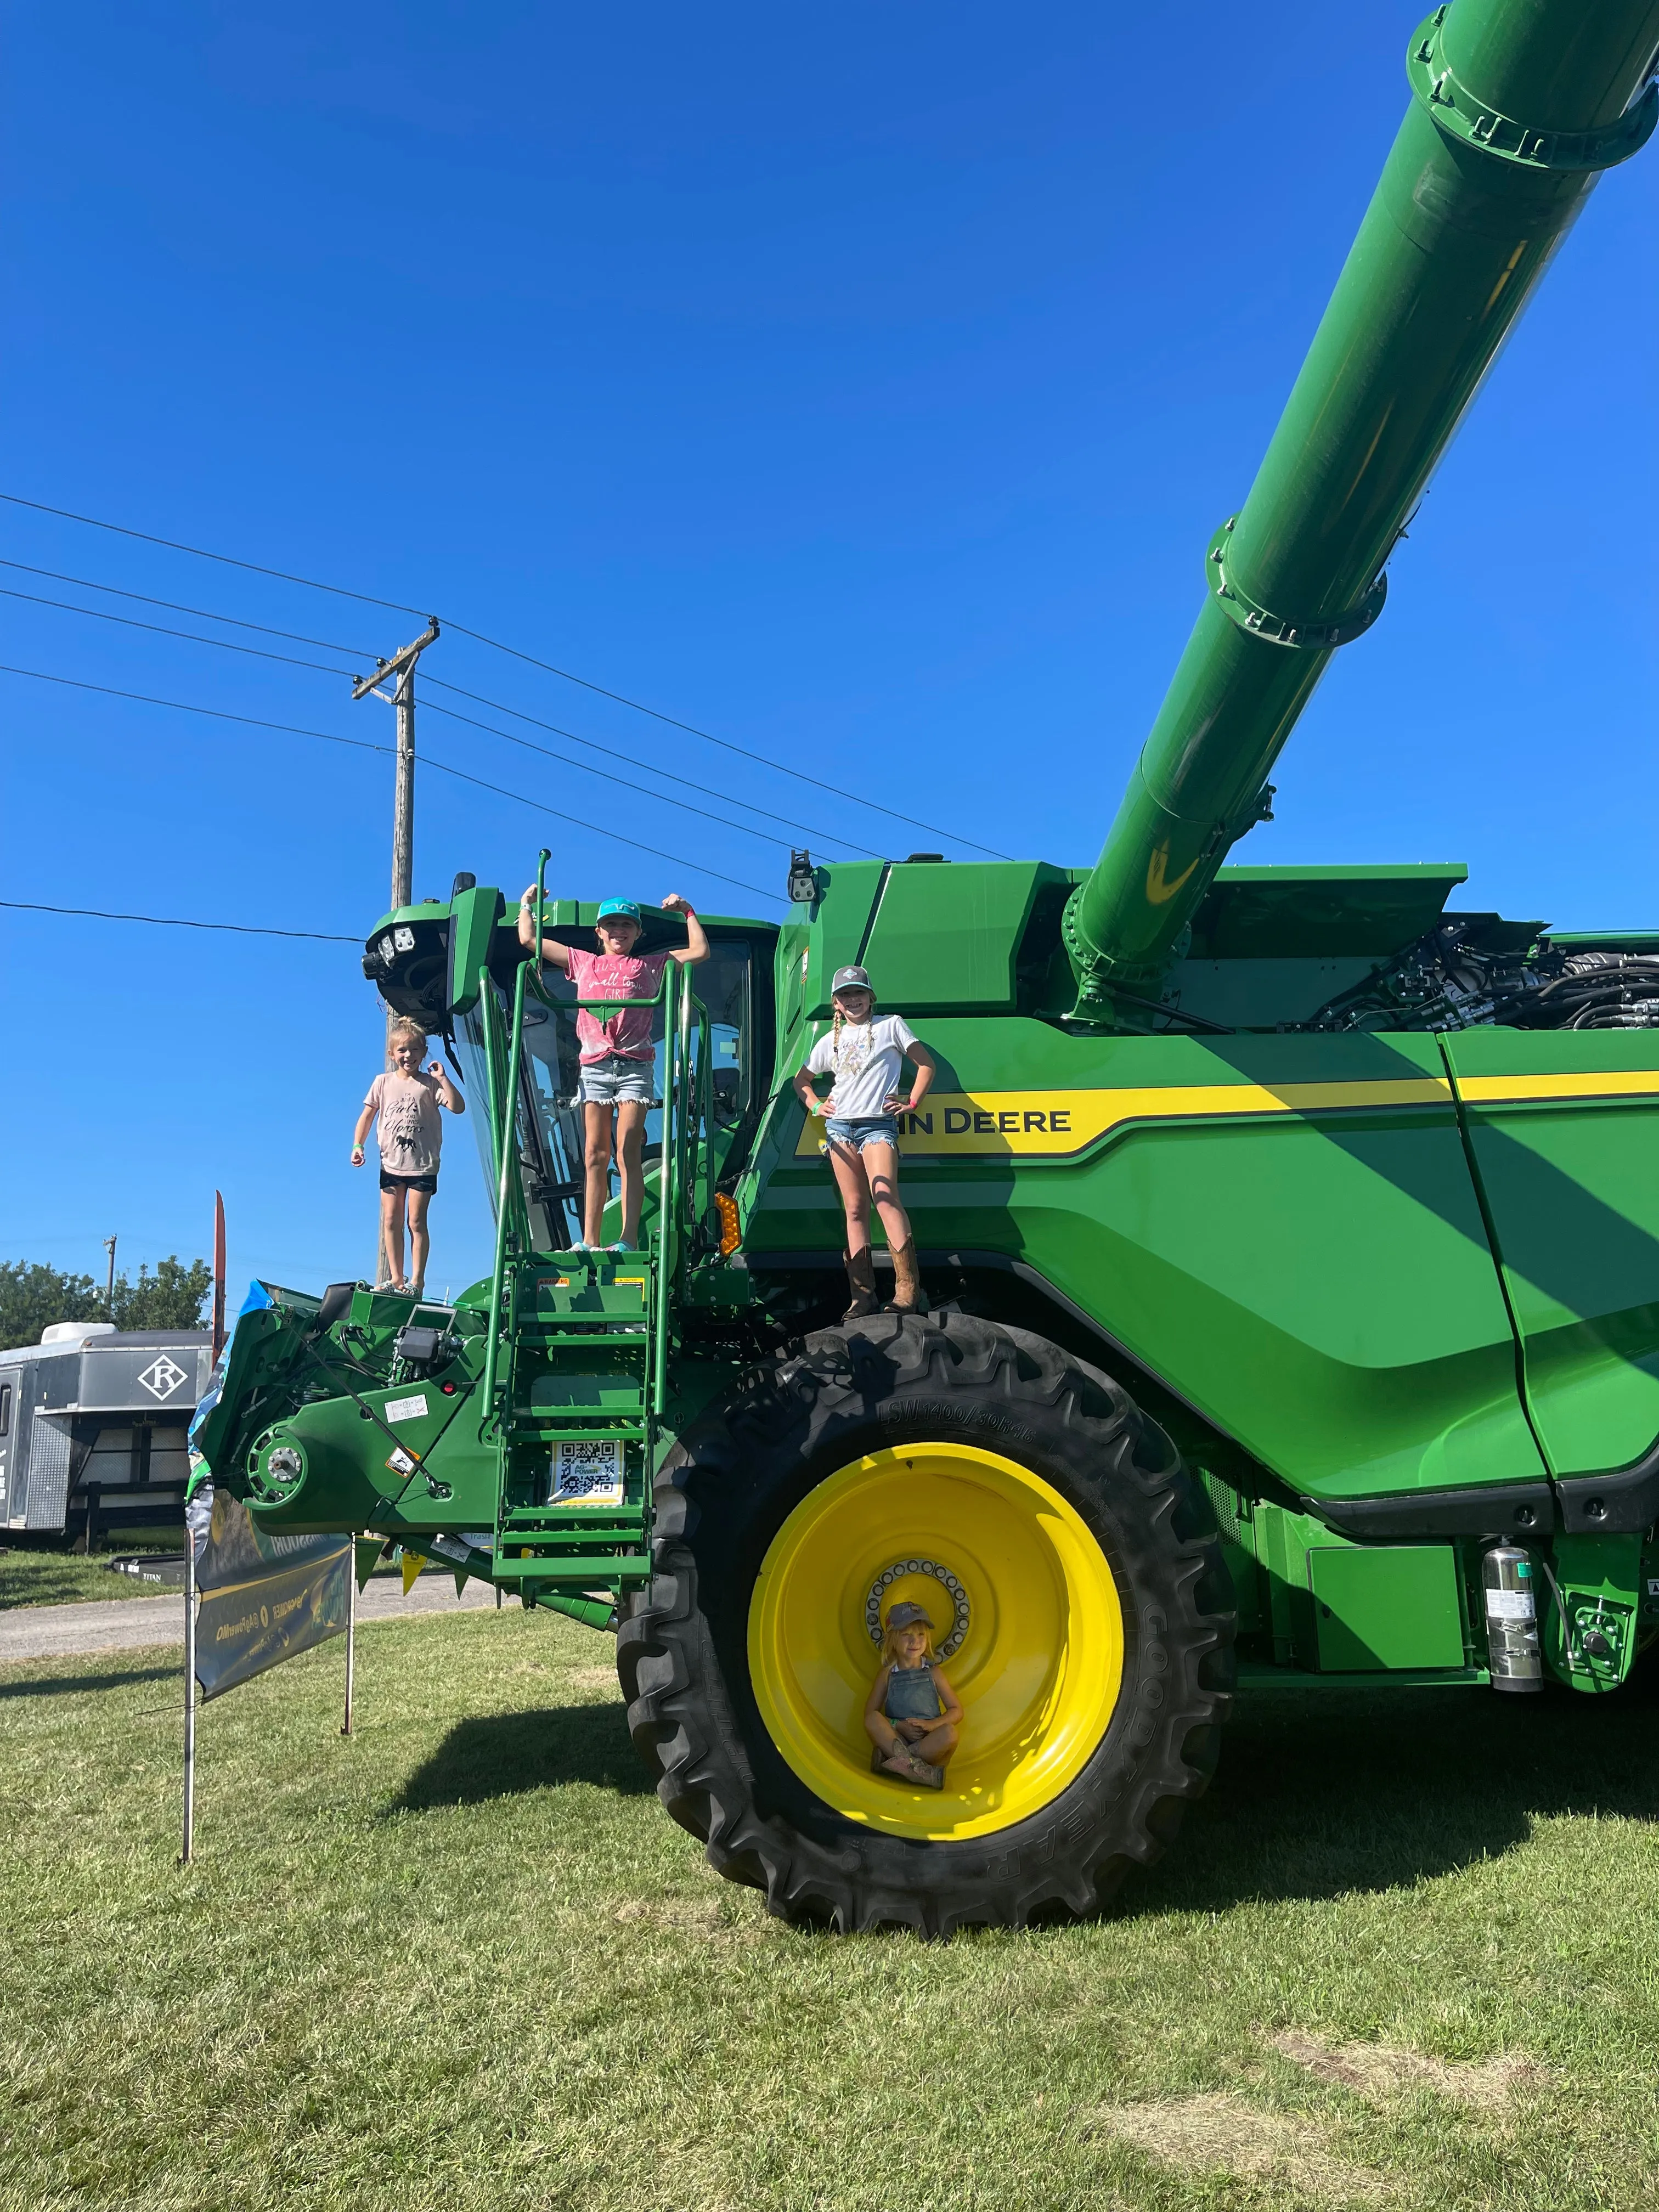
x: 912, y: 1715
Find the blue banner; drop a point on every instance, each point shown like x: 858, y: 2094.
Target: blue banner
x: 264, y: 1598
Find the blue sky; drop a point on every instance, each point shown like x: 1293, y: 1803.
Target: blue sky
x: 861, y: 387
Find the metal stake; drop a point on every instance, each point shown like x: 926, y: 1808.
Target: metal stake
x: 186, y: 1855
x: 351, y: 1637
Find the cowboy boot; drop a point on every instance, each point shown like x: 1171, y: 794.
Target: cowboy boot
x: 909, y: 1296
x: 861, y: 1280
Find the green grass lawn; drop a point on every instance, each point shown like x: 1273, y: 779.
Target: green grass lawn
x: 29, y: 1578
x: 1403, y: 1954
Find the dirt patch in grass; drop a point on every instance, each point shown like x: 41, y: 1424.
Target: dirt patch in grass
x: 1221, y: 2133
x: 695, y: 1917
x: 1380, y: 2072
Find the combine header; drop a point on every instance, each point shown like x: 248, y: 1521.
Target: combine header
x: 1293, y: 1241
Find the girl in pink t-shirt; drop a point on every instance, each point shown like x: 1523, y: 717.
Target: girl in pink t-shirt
x: 618, y: 1058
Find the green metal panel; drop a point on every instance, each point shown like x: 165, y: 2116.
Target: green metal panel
x: 1461, y: 228
x: 789, y: 979
x: 1392, y: 1605
x: 1604, y: 1592
x: 945, y: 937
x: 1563, y: 1126
x: 848, y: 890
x: 1321, y: 913
x: 473, y: 917
x: 1283, y: 1228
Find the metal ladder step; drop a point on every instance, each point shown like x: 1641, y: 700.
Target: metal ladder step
x: 602, y: 1422
x: 540, y: 1335
x: 631, y: 1566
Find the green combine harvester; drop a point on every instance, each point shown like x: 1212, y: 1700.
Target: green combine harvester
x: 1292, y: 1239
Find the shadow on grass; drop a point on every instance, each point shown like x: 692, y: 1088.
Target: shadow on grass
x: 58, y: 1685
x: 1330, y: 1791
x: 508, y: 1754
x: 1318, y: 1794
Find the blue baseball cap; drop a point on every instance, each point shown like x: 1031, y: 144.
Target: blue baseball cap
x: 618, y: 906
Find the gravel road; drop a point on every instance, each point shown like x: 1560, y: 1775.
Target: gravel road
x: 54, y: 1631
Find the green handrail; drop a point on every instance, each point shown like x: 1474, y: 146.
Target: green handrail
x: 504, y: 1114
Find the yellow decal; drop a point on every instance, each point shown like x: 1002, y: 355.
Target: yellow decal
x: 1060, y: 1124
x: 1554, y: 1089
x: 1055, y: 1124
x: 1158, y: 892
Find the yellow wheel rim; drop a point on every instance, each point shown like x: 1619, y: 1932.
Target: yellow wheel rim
x: 1040, y: 1662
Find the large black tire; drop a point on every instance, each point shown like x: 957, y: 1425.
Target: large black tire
x: 725, y: 1492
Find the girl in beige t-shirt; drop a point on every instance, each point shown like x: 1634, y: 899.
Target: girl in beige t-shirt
x: 407, y: 1103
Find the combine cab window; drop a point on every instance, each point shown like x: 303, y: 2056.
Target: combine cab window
x: 550, y: 1131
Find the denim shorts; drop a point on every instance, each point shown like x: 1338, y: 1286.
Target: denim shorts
x: 617, y: 1080
x: 864, y: 1129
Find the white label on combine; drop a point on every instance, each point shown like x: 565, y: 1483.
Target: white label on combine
x: 1509, y: 1605
x: 588, y: 1471
x: 407, y: 1409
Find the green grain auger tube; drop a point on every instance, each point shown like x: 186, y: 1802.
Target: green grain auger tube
x: 1292, y: 1241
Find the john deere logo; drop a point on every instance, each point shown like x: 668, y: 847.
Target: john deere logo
x: 162, y: 1376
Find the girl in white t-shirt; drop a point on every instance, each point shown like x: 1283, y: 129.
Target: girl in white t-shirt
x: 866, y: 1055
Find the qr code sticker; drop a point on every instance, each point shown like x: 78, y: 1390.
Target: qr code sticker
x: 588, y: 1471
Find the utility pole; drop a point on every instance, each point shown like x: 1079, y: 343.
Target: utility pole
x: 399, y: 672
x: 109, y: 1287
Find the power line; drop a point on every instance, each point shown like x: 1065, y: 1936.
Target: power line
x: 184, y: 706
x: 160, y: 630
x: 364, y: 745
x: 176, y: 921
x: 604, y: 774
x: 581, y: 821
x: 204, y: 614
x: 636, y: 705
x: 803, y: 828
x: 228, y: 560
x: 726, y: 744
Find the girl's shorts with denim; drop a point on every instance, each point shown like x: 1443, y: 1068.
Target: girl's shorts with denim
x: 864, y: 1129
x: 617, y: 1080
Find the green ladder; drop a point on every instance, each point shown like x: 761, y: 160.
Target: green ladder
x: 575, y: 1376
x: 577, y: 1430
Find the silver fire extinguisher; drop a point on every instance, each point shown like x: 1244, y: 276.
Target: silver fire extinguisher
x: 1512, y: 1654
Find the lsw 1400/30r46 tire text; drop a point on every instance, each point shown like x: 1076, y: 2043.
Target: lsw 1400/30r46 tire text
x: 1081, y: 1611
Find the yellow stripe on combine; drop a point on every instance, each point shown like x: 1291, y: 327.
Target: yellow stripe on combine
x: 1057, y: 1124
x: 1550, y: 1090
x: 1051, y: 1124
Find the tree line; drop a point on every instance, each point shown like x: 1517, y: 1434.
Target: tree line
x: 33, y: 1296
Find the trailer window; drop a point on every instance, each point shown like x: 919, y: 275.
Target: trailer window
x: 5, y: 1409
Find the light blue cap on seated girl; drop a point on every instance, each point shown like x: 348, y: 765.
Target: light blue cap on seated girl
x: 618, y: 906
